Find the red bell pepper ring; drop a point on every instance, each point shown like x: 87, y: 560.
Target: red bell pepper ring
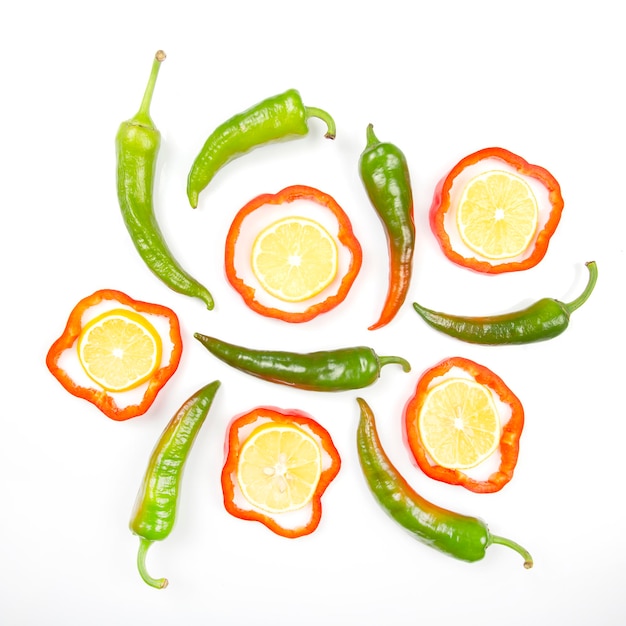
x: 240, y: 428
x: 345, y: 236
x: 441, y: 205
x: 98, y: 396
x: 509, y: 437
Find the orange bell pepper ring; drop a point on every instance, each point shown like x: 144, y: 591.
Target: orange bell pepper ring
x: 344, y: 236
x: 442, y: 208
x: 509, y: 435
x: 281, y: 478
x: 63, y: 361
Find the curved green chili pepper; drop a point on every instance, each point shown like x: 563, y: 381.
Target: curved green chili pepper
x: 137, y: 145
x: 385, y: 175
x: 460, y: 536
x: 154, y: 512
x: 331, y: 370
x: 542, y: 320
x: 277, y: 118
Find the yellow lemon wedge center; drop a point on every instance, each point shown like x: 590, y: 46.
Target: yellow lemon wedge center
x: 119, y: 349
x: 294, y: 258
x: 459, y: 423
x: 497, y: 215
x: 279, y: 468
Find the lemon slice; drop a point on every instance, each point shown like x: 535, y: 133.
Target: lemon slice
x: 119, y: 349
x: 497, y: 216
x: 459, y: 423
x: 279, y: 468
x: 294, y: 258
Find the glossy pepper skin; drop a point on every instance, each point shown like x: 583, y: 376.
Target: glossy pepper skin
x: 545, y: 319
x: 326, y: 370
x: 460, y: 536
x: 280, y: 117
x: 385, y: 175
x: 137, y: 145
x: 154, y: 512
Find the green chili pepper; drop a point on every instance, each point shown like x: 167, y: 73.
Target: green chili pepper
x: 280, y: 117
x: 154, y: 512
x: 332, y: 370
x: 545, y: 319
x: 385, y: 175
x: 137, y: 146
x: 460, y: 536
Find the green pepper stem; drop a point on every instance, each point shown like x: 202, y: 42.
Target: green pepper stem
x: 370, y: 136
x: 143, y: 115
x: 331, y: 132
x: 528, y: 559
x: 582, y: 298
x: 157, y: 583
x: 385, y: 360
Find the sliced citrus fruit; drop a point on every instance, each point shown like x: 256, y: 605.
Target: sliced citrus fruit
x: 294, y: 259
x: 279, y: 468
x: 119, y: 349
x: 498, y: 215
x: 459, y: 423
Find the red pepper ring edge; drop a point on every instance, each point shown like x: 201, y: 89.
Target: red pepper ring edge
x: 229, y: 471
x: 99, y: 397
x: 441, y: 204
x: 509, y: 438
x: 345, y: 236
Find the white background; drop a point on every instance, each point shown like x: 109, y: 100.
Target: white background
x: 439, y: 79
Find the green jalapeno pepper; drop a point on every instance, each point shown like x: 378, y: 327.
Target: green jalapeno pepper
x: 154, y: 512
x: 385, y: 175
x: 542, y: 320
x: 460, y: 536
x: 280, y: 117
x: 137, y: 145
x: 329, y: 370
